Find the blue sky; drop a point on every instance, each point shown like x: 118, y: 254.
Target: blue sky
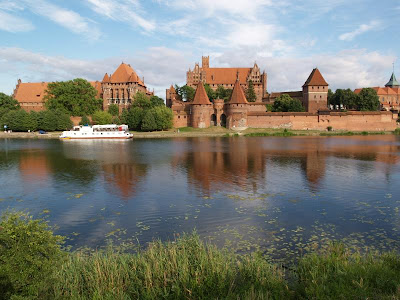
x: 353, y: 43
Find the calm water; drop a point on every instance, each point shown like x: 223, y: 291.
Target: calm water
x: 282, y: 196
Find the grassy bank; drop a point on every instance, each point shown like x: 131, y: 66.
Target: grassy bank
x: 33, y: 265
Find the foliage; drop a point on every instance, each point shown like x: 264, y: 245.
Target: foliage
x: 285, y: 103
x: 250, y: 93
x: 76, y: 97
x: 8, y: 103
x: 141, y: 101
x: 397, y: 131
x: 156, y: 101
x: 284, y: 133
x: 113, y: 109
x: 183, y: 269
x: 223, y: 93
x: 19, y: 120
x: 367, y: 100
x: 210, y: 92
x: 85, y: 121
x: 29, y: 255
x: 149, y: 121
x: 269, y: 107
x: 163, y: 117
x: 343, y: 98
x: 102, y: 118
x: 185, y: 92
x: 339, y: 274
x: 133, y: 118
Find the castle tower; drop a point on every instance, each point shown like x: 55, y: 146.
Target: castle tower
x: 205, y: 62
x: 237, y: 108
x: 393, y: 83
x: 201, y: 108
x: 105, y: 83
x: 315, y: 92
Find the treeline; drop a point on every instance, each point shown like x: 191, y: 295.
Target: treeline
x: 366, y: 100
x: 78, y: 98
x: 186, y: 93
x: 12, y: 117
x: 34, y: 265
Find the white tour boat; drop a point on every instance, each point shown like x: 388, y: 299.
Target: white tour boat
x: 98, y: 132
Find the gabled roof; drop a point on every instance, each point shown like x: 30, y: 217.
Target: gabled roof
x: 201, y: 95
x: 315, y: 78
x: 34, y: 92
x: 226, y: 75
x: 237, y: 96
x: 123, y: 74
x: 392, y: 82
x: 30, y: 92
x: 106, y: 78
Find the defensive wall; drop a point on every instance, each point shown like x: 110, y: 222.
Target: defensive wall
x: 352, y: 121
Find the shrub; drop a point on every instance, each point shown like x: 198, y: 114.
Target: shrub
x: 29, y: 254
x: 102, y: 118
x: 329, y: 128
x: 397, y: 131
x: 84, y: 121
x: 19, y: 120
x: 113, y: 109
x: 63, y: 121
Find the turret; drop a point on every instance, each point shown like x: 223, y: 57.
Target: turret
x: 201, y: 108
x: 315, y: 92
x: 237, y: 107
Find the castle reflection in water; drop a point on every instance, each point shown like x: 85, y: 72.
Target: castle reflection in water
x: 208, y: 164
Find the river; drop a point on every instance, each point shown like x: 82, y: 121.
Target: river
x: 281, y: 196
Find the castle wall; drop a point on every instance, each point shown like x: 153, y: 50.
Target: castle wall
x: 352, y: 121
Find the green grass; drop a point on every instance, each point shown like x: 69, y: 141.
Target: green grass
x: 32, y: 267
x: 351, y: 133
x: 284, y: 133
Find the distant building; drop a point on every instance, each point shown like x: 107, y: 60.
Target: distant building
x: 118, y: 88
x: 389, y: 96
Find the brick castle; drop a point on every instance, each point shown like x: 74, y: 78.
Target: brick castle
x: 120, y: 88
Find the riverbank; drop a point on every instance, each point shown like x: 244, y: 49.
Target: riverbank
x: 34, y: 266
x: 189, y: 132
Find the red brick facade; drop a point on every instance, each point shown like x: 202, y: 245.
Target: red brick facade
x: 119, y: 88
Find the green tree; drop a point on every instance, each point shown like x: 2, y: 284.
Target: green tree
x: 285, y: 103
x: 163, y: 117
x: 84, y: 121
x: 156, y: 101
x: 29, y: 255
x: 19, y: 120
x: 113, y: 109
x: 134, y: 118
x: 63, y: 121
x: 102, y: 117
x: 250, y: 93
x: 210, y: 92
x: 331, y: 96
x: 47, y: 120
x: 76, y: 97
x: 8, y: 102
x: 185, y: 93
x: 367, y: 100
x: 343, y: 98
x: 141, y: 101
x: 149, y: 121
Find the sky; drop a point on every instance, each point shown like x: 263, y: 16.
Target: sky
x: 354, y: 43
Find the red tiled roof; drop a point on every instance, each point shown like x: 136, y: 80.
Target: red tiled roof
x: 30, y: 92
x: 237, y: 96
x: 315, y: 78
x: 123, y: 74
x: 34, y: 92
x: 201, y: 95
x: 226, y: 75
x: 106, y: 78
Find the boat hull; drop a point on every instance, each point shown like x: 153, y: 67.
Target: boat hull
x: 96, y: 138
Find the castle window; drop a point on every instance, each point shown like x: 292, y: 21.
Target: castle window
x: 315, y: 97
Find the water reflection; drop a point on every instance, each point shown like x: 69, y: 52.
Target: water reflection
x: 273, y: 193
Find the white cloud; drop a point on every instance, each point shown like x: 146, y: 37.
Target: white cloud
x: 12, y: 23
x: 349, y: 36
x: 64, y: 17
x: 162, y: 67
x: 122, y: 10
